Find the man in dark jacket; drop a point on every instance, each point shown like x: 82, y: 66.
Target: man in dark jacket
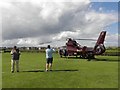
x: 15, y: 59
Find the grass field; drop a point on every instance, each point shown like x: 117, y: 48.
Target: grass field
x: 67, y: 73
x: 114, y: 50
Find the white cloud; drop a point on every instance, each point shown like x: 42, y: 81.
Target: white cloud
x: 112, y: 39
x: 5, y: 4
x: 33, y: 22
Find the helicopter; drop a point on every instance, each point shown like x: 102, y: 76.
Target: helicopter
x: 73, y: 48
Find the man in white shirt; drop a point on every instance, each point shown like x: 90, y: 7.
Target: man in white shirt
x: 49, y: 58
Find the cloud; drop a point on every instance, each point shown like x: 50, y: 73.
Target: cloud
x: 30, y: 23
x: 112, y: 39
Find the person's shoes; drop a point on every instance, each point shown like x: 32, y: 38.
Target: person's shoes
x: 17, y: 71
x: 51, y: 70
x: 12, y: 71
x: 46, y: 70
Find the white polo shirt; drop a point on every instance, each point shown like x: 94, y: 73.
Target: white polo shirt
x: 49, y: 53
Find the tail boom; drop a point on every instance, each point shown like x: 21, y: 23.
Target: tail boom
x: 99, y: 46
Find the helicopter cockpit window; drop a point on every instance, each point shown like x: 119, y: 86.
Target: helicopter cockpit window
x: 75, y: 43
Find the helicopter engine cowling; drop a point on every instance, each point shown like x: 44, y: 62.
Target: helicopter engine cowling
x: 99, y: 49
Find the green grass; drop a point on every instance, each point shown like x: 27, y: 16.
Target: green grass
x: 0, y: 71
x: 112, y: 50
x: 67, y: 73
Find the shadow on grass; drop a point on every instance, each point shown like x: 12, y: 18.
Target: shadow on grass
x: 71, y: 57
x: 96, y: 59
x: 64, y: 70
x: 50, y: 71
x: 75, y: 58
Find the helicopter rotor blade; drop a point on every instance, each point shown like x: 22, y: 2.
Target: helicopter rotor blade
x: 45, y: 42
x: 48, y: 42
x: 87, y: 39
x: 67, y: 38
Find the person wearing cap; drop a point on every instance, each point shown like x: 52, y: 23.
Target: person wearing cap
x: 15, y: 59
x: 49, y: 58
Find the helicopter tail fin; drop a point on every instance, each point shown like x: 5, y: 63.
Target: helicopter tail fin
x: 99, y: 46
x: 101, y: 38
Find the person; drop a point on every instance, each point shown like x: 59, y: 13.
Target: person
x: 65, y: 52
x: 15, y: 59
x: 60, y: 52
x: 49, y: 58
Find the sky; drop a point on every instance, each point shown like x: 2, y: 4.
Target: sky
x: 32, y: 22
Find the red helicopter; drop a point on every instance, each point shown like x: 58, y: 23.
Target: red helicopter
x: 73, y: 48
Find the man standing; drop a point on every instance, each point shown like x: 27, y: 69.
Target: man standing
x: 49, y: 58
x: 15, y: 59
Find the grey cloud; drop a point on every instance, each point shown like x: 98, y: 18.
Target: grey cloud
x: 23, y: 21
x: 27, y: 21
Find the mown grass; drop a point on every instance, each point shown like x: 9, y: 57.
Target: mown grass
x: 0, y: 70
x: 67, y: 73
x: 112, y: 50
